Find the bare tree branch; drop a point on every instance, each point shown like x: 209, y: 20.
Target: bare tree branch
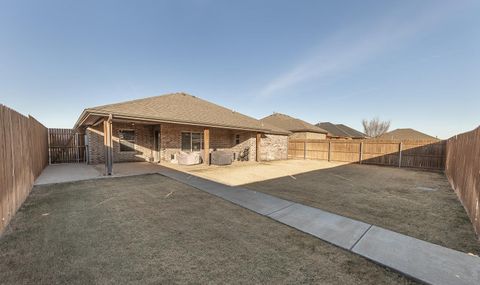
x: 374, y: 127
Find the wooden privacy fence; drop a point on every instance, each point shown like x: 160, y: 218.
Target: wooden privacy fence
x: 66, y: 146
x: 23, y: 156
x: 463, y: 172
x: 417, y: 154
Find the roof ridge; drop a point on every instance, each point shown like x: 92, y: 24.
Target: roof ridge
x: 342, y: 131
x: 141, y: 99
x: 187, y: 109
x: 290, y: 123
x: 349, y: 130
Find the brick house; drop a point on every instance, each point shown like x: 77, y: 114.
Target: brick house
x: 155, y: 129
x: 298, y: 129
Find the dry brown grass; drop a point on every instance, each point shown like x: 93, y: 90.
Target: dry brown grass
x: 416, y: 203
x: 151, y: 229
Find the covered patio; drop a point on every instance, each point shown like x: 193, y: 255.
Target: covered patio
x: 168, y: 128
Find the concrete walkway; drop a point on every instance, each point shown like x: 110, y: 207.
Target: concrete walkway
x: 418, y: 259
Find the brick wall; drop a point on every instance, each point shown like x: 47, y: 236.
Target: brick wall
x: 220, y: 139
x: 273, y: 147
x: 170, y: 142
x: 143, y: 143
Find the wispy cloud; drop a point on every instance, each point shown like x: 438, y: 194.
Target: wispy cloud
x: 350, y: 48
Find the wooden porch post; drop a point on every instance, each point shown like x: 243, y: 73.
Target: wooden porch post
x: 257, y: 147
x: 400, y: 154
x: 206, y: 146
x: 108, y: 145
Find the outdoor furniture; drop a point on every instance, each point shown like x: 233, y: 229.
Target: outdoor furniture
x: 221, y: 157
x: 243, y: 155
x: 185, y: 158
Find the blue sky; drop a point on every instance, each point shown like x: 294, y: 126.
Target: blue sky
x: 416, y: 63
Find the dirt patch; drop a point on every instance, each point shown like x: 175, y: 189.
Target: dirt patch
x: 151, y: 229
x: 416, y: 203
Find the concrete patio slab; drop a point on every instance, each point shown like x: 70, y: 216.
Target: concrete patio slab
x: 256, y: 201
x: 341, y: 231
x: 69, y: 172
x: 421, y: 260
x: 240, y: 173
x: 59, y: 173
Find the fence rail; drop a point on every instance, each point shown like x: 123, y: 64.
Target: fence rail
x: 66, y: 146
x: 414, y: 154
x: 463, y: 172
x: 23, y: 156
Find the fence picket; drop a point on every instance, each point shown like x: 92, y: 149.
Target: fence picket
x: 66, y: 146
x: 24, y: 154
x: 414, y: 154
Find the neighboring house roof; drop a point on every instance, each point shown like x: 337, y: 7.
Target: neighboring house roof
x: 406, y: 134
x: 291, y: 124
x: 179, y: 108
x: 275, y: 130
x: 341, y: 130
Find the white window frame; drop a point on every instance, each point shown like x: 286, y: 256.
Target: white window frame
x: 191, y: 140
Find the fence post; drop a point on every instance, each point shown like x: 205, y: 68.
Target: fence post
x: 85, y: 142
x: 361, y: 152
x: 305, y: 149
x: 400, y: 154
x: 329, y: 151
x: 49, y: 149
x: 77, y: 147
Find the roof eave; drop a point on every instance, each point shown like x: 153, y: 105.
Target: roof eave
x: 88, y: 112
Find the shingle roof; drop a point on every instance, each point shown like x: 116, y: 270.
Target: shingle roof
x: 291, y: 124
x: 406, y: 134
x: 340, y: 130
x: 182, y: 108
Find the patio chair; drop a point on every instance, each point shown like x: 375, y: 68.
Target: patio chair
x: 243, y: 155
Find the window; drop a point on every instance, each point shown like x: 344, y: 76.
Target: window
x: 192, y: 141
x: 127, y: 140
x: 237, y: 139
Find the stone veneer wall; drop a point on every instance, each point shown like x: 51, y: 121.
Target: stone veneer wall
x: 273, y: 147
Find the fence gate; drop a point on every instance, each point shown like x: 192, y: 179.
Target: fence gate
x: 66, y: 146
